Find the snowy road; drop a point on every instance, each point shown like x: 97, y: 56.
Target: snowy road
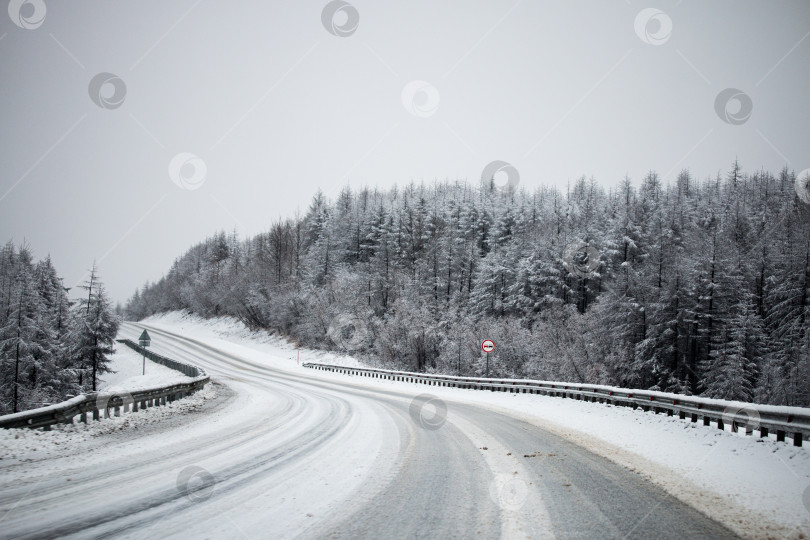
x: 277, y: 455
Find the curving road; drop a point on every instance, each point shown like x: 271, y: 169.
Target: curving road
x: 280, y: 453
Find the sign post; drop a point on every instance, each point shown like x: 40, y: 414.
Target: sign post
x: 144, y: 341
x: 488, y: 346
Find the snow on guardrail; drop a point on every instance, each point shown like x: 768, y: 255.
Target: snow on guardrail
x: 98, y: 403
x: 793, y: 422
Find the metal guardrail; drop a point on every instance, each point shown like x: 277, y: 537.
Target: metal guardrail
x: 793, y: 422
x: 101, y: 403
x: 186, y: 369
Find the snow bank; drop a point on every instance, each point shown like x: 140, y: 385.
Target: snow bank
x: 127, y: 366
x: 31, y: 445
x: 754, y: 486
x: 227, y: 330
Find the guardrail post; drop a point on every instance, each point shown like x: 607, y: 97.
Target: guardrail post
x: 763, y: 432
x: 117, y: 411
x: 106, y: 411
x: 720, y: 425
x: 797, y: 439
x: 707, y: 421
x: 95, y: 414
x: 83, y: 417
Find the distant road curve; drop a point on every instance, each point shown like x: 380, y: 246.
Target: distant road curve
x: 281, y: 455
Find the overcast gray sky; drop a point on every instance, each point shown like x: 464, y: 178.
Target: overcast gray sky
x: 276, y: 103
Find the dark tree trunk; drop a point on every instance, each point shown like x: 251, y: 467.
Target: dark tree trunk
x: 95, y: 346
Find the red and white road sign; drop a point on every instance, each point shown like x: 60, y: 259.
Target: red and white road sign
x: 488, y: 346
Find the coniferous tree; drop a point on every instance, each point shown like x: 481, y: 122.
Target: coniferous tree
x: 96, y: 328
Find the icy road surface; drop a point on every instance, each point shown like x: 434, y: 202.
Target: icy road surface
x: 276, y: 455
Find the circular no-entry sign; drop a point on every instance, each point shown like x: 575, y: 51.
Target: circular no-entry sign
x: 488, y: 346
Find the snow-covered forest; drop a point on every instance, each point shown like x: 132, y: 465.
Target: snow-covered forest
x: 51, y: 347
x: 694, y: 286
